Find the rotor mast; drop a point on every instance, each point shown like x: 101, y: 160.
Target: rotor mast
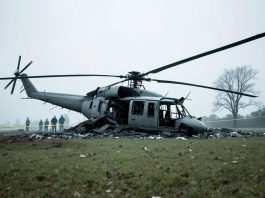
x: 135, y: 79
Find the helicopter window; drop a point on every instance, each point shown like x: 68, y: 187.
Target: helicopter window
x: 163, y: 110
x: 163, y: 107
x: 173, y: 112
x: 138, y: 107
x: 151, y: 109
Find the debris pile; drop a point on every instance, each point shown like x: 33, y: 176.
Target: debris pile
x: 227, y: 132
x: 97, y: 126
x: 106, y: 127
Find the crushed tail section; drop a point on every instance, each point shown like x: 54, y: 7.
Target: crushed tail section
x: 29, y: 87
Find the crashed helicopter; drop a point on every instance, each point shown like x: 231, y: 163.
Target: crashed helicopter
x: 131, y: 105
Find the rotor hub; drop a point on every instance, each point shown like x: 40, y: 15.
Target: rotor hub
x: 135, y: 79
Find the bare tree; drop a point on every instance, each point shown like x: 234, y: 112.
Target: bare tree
x: 240, y: 80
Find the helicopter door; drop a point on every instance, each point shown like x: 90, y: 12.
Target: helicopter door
x: 150, y: 115
x: 143, y: 114
x: 136, y: 114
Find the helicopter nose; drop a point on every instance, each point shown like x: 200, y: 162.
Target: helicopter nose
x: 198, y: 126
x: 195, y: 124
x: 203, y: 126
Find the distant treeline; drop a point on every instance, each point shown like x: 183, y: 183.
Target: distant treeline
x: 255, y: 120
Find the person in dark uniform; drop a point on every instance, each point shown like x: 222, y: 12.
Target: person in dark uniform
x: 46, y: 125
x: 61, y: 123
x: 40, y: 125
x: 54, y: 124
x: 27, y: 124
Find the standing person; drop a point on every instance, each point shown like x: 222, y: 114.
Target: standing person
x: 27, y: 124
x: 46, y: 125
x: 61, y: 123
x: 40, y: 125
x: 54, y: 124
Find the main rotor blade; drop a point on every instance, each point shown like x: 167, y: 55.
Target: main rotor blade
x: 117, y: 83
x: 18, y: 64
x: 201, y: 86
x: 205, y: 54
x: 13, y: 87
x: 25, y: 67
x: 63, y: 75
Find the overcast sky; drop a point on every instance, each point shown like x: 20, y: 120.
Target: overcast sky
x: 118, y: 36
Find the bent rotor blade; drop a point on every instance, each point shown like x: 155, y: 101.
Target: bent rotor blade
x: 202, y: 86
x: 18, y: 64
x: 205, y: 54
x: 25, y: 67
x: 13, y: 87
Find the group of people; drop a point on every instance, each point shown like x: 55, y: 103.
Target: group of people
x: 45, y: 125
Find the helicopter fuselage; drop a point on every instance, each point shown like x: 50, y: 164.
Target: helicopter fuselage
x: 134, y: 107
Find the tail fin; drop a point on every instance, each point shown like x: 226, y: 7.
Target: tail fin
x: 29, y: 87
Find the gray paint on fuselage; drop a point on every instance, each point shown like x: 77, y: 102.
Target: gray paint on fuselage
x: 97, y: 103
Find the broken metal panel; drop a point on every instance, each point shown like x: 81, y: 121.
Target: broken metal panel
x: 92, y: 94
x: 94, y: 107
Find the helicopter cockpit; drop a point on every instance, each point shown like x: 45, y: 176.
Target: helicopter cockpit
x: 171, y: 110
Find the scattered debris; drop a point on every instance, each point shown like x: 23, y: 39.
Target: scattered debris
x: 82, y: 156
x: 181, y: 138
x: 234, y: 134
x: 104, y: 126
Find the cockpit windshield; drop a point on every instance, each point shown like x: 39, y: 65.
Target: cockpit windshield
x: 170, y: 111
x: 173, y: 110
x: 178, y: 111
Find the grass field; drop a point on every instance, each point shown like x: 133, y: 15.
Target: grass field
x: 232, y: 167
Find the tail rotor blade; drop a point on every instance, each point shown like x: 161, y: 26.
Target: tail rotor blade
x: 17, y: 75
x: 9, y: 83
x: 26, y: 67
x: 14, y: 84
x: 18, y: 64
x: 22, y: 90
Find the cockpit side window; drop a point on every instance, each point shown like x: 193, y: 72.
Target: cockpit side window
x: 138, y: 107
